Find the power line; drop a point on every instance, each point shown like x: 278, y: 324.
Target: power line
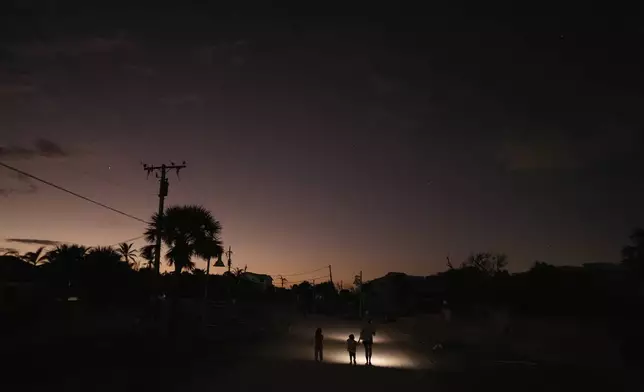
x: 129, y: 240
x: 73, y: 193
x: 301, y: 273
x: 308, y: 280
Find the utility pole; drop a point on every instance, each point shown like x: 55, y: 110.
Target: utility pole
x: 161, y: 173
x: 230, y: 261
x: 330, y: 274
x: 358, y: 282
x: 282, y: 280
x: 205, y: 290
x: 361, y: 294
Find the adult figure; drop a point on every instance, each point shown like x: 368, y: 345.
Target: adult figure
x: 319, y: 338
x: 366, y: 336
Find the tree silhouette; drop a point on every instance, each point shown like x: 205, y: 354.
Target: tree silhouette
x: 187, y: 231
x: 128, y: 254
x: 9, y: 252
x: 198, y: 272
x: 237, y: 272
x: 104, y: 272
x: 487, y: 263
x: 67, y: 255
x: 633, y: 255
x: 34, y: 258
x: 105, y: 257
x: 210, y: 248
x: 64, y: 264
x: 13, y: 268
x: 147, y: 253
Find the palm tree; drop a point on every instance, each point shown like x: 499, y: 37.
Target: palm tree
x: 65, y: 263
x: 105, y: 254
x: 105, y: 273
x: 147, y: 253
x: 237, y: 272
x: 210, y: 249
x: 187, y: 231
x: 65, y: 254
x: 9, y: 252
x: 128, y: 254
x: 34, y: 258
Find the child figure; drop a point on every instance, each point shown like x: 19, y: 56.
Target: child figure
x: 352, y: 346
x: 318, y: 344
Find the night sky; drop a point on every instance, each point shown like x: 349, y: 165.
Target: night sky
x: 376, y: 142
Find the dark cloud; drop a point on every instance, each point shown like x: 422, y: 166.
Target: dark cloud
x: 16, y: 152
x: 33, y: 241
x: 42, y: 148
x: 23, y: 185
x: 49, y: 149
x: 31, y: 188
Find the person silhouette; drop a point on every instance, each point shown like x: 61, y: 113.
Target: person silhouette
x: 319, y: 338
x: 366, y: 336
x: 352, y: 346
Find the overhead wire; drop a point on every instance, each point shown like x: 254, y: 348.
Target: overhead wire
x: 299, y: 273
x: 73, y: 193
x: 128, y: 240
x: 307, y: 280
x: 24, y: 173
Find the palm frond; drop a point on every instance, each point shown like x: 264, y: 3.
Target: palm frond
x: 186, y: 231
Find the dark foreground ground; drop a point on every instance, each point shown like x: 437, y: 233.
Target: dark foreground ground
x: 145, y: 362
x: 287, y: 364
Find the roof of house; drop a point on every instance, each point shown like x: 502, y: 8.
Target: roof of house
x: 260, y: 277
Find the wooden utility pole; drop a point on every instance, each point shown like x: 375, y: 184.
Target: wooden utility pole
x: 330, y: 274
x: 230, y: 261
x: 361, y: 295
x: 358, y: 282
x: 161, y: 173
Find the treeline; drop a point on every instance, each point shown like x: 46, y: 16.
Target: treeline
x: 590, y: 290
x: 482, y: 282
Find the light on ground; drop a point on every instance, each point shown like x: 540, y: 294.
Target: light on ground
x: 380, y: 359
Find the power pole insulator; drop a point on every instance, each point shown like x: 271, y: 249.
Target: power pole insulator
x: 161, y: 172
